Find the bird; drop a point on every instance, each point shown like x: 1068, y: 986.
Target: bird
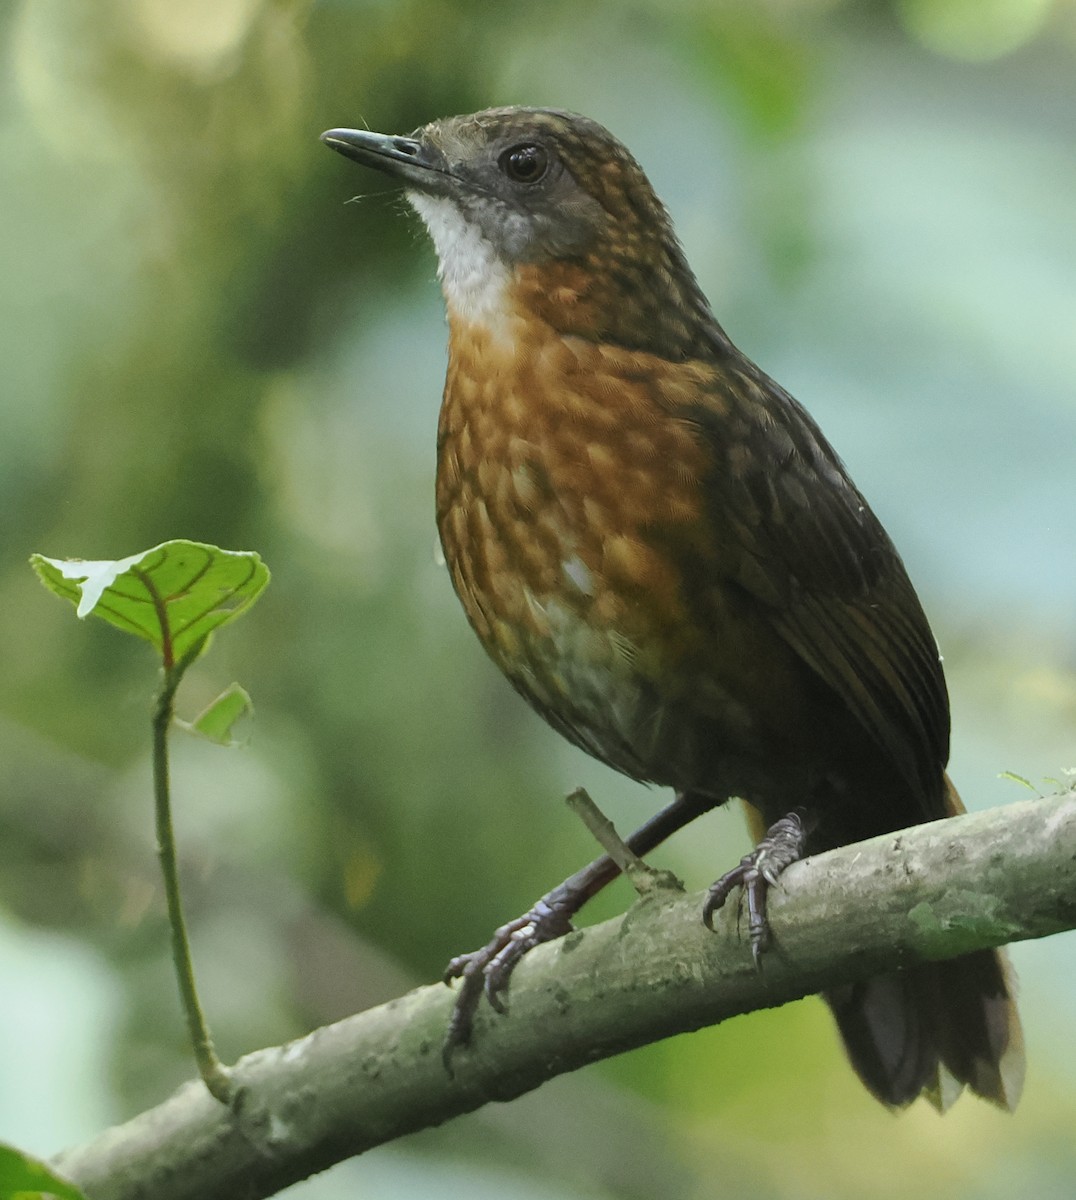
x: 663, y: 554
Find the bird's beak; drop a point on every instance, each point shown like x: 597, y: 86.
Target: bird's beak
x: 415, y: 162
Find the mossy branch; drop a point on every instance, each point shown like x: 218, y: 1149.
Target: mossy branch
x: 931, y: 892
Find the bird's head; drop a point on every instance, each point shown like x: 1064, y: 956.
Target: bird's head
x: 544, y: 213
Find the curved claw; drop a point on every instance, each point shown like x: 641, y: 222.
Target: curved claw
x: 499, y: 970
x: 488, y: 971
x: 755, y: 874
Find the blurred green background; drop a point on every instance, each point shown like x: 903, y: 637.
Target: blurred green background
x: 201, y: 338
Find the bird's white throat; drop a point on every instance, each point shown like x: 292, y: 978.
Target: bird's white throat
x: 473, y: 278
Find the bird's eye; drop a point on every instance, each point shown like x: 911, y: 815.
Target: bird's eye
x: 526, y: 163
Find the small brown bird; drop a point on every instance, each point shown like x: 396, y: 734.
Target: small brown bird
x: 660, y: 550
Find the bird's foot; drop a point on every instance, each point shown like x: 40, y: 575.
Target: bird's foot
x: 487, y: 971
x: 756, y: 874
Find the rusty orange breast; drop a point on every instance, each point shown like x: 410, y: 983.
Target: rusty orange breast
x: 564, y: 477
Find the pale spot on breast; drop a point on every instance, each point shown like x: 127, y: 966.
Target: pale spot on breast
x: 527, y: 490
x: 537, y: 613
x: 565, y: 295
x: 602, y: 458
x: 577, y: 571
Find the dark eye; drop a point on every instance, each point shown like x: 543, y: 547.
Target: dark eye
x: 526, y: 163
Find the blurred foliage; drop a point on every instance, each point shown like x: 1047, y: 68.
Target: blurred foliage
x: 201, y: 339
x: 23, y: 1177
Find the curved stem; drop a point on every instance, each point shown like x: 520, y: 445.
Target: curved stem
x: 216, y: 1077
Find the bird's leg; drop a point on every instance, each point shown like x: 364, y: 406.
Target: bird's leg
x: 756, y: 873
x: 489, y: 969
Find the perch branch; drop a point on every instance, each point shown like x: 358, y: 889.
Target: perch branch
x: 930, y: 892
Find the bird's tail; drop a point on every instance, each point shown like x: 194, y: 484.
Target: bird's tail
x: 935, y: 1028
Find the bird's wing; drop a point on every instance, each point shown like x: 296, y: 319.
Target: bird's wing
x: 795, y: 533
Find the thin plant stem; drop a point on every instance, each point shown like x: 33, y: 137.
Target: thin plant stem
x: 643, y: 878
x: 215, y: 1075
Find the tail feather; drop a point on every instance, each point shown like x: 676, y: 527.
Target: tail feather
x: 934, y: 1029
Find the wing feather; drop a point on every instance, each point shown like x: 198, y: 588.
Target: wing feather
x: 795, y: 533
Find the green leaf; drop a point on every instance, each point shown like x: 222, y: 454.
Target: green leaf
x: 217, y: 720
x: 23, y: 1177
x: 174, y: 595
